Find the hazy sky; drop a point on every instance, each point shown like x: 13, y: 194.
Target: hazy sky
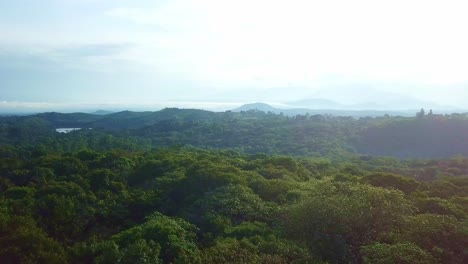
x: 56, y: 54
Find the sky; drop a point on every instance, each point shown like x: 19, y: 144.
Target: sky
x: 65, y: 55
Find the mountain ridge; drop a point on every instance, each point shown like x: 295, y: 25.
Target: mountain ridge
x: 258, y: 106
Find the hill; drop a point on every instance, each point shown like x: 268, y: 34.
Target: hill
x: 256, y: 107
x: 427, y: 136
x: 102, y: 112
x: 122, y: 120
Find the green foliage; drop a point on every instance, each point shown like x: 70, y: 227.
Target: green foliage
x: 255, y: 250
x: 231, y: 251
x: 335, y: 220
x: 249, y: 229
x: 388, y: 180
x: 435, y: 205
x: 443, y: 236
x: 230, y: 205
x: 107, y: 252
x: 273, y: 190
x: 141, y: 252
x: 425, y: 136
x: 175, y: 237
x: 64, y: 210
x: 21, y: 241
x: 402, y: 253
x: 104, y: 196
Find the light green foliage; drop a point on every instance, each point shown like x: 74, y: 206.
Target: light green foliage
x: 175, y: 237
x: 142, y: 252
x: 21, y: 200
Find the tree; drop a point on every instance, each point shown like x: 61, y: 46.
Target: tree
x: 21, y: 241
x: 336, y: 220
x: 443, y: 236
x: 388, y: 180
x: 401, y: 253
x: 175, y: 237
x: 231, y: 204
x: 421, y: 113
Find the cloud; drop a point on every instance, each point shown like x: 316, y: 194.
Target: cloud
x: 101, y: 57
x: 25, y: 105
x: 31, y: 107
x: 136, y: 15
x: 239, y: 50
x: 93, y: 50
x: 261, y: 43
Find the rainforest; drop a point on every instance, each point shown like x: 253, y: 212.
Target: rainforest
x: 194, y: 186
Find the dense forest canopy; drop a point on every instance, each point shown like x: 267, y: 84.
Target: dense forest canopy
x: 423, y: 136
x: 192, y: 186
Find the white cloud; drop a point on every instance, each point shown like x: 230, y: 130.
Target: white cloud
x: 413, y: 47
x: 31, y: 107
x: 264, y: 42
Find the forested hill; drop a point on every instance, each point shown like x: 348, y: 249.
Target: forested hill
x: 125, y: 119
x: 422, y: 136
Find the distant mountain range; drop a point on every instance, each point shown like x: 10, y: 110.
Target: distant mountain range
x: 326, y: 111
x: 102, y: 112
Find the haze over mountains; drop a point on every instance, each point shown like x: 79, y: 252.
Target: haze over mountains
x: 148, y: 55
x: 396, y: 105
x: 321, y: 111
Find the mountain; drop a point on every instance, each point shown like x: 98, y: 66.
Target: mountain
x: 256, y: 106
x: 62, y: 120
x: 102, y: 112
x: 335, y: 112
x: 124, y: 119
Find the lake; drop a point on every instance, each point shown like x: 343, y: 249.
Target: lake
x: 67, y: 130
